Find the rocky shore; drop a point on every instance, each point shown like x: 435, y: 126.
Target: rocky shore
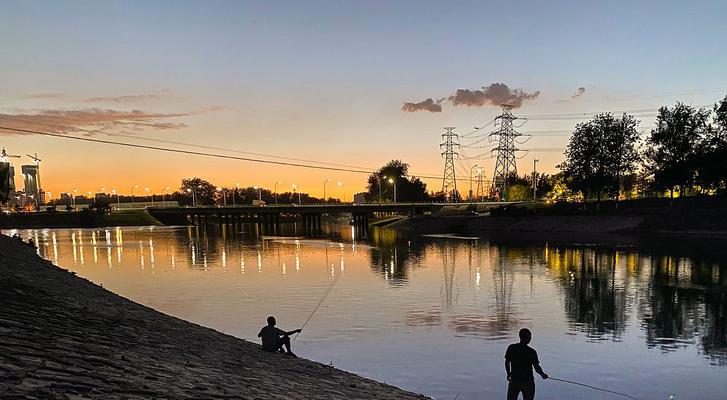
x: 63, y: 337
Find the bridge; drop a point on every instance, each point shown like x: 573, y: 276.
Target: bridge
x: 309, y: 215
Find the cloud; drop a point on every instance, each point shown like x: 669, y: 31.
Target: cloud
x: 94, y: 120
x: 123, y: 99
x: 33, y: 96
x: 579, y: 92
x: 496, y: 94
x: 426, y: 105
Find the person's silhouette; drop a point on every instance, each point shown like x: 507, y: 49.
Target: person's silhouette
x: 274, y: 339
x: 520, y: 359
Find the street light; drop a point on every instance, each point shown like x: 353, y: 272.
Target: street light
x: 392, y: 181
x: 224, y: 196
x: 324, y: 190
x: 194, y: 200
x: 164, y: 193
x: 237, y: 187
x: 276, y: 191
x: 152, y: 196
x: 471, y: 170
x: 379, y: 179
x: 259, y: 195
x: 343, y: 191
x: 132, y: 192
x: 535, y: 179
x: 294, y: 190
x: 73, y: 198
x: 118, y: 202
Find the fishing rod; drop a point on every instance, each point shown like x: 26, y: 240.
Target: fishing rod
x: 594, y: 388
x: 319, y: 303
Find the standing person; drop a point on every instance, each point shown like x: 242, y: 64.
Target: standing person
x: 520, y: 359
x: 274, y: 339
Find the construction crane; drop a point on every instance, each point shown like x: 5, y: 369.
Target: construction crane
x: 4, y: 156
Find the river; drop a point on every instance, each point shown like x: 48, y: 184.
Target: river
x: 435, y: 314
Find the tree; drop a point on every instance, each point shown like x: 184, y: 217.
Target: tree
x: 203, y: 190
x: 673, y: 147
x: 712, y: 164
x: 381, y: 184
x: 599, y: 153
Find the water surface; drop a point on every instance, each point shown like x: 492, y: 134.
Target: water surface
x: 435, y: 314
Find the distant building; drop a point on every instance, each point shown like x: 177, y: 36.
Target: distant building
x: 359, y: 198
x: 30, y: 179
x: 12, y: 180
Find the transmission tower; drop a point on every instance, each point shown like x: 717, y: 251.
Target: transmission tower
x: 480, y: 193
x: 505, y: 165
x: 449, y: 180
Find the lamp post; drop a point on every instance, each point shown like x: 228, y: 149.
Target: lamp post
x: 132, y: 192
x: 237, y: 187
x: 294, y: 190
x: 535, y: 179
x: 393, y: 182
x: 194, y: 201
x: 148, y: 194
x: 73, y: 198
x: 276, y: 191
x: 472, y: 170
x: 379, y: 180
x: 259, y: 195
x: 118, y: 201
x: 324, y: 190
x: 224, y: 196
x: 164, y: 195
x: 343, y: 191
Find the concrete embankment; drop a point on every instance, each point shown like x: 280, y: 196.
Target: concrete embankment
x: 63, y: 337
x: 63, y: 219
x: 697, y: 216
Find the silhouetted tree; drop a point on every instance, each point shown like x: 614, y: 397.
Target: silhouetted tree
x: 673, y: 147
x: 712, y: 160
x: 204, y: 190
x: 599, y: 153
x: 407, y: 188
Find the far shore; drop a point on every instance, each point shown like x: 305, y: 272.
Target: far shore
x: 64, y: 337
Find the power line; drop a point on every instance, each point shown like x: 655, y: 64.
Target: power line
x: 202, y: 146
x: 204, y: 154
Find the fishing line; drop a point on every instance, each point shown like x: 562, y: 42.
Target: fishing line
x: 319, y: 304
x: 593, y: 387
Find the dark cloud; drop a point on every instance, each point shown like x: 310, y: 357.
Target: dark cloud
x: 496, y: 94
x: 94, y: 120
x: 426, y: 105
x: 579, y: 92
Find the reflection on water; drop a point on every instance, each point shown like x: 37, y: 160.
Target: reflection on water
x: 433, y: 314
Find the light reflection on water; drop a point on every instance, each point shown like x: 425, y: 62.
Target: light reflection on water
x: 434, y: 315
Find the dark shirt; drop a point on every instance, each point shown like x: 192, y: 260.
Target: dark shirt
x: 270, y: 336
x: 522, y: 358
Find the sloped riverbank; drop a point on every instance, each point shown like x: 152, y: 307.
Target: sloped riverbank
x: 64, y: 337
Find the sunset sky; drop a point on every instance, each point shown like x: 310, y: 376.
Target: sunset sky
x: 327, y: 82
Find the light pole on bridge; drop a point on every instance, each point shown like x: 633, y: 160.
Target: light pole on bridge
x: 276, y: 191
x: 393, y: 182
x: 324, y: 190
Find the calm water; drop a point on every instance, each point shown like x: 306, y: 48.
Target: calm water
x: 432, y: 314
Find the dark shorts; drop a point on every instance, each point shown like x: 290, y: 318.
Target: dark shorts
x: 527, y: 388
x: 278, y: 344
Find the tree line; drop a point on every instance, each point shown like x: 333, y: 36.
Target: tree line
x: 685, y: 154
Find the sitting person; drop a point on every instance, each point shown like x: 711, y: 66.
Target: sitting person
x: 274, y: 339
